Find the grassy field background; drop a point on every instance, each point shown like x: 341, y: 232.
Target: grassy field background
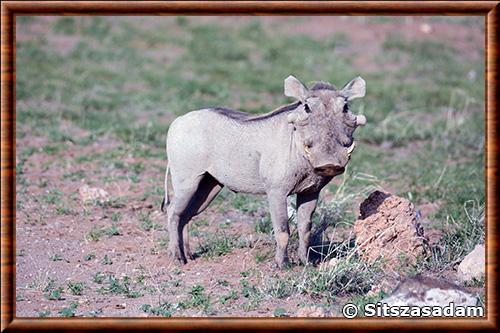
x: 94, y: 99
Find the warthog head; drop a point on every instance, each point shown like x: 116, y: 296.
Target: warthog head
x: 324, y: 124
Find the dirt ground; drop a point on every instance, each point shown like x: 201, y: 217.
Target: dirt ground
x: 109, y: 259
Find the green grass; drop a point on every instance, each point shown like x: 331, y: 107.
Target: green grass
x: 119, y: 286
x: 147, y: 223
x: 197, y: 299
x: 96, y: 233
x: 76, y: 288
x: 43, y: 314
x: 56, y: 257
x: 124, y: 83
x: 231, y: 296
x: 55, y: 294
x: 163, y: 309
x: 69, y: 311
x: 216, y: 245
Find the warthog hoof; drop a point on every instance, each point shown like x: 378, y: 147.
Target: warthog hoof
x: 175, y: 253
x: 283, y: 263
x: 188, y: 254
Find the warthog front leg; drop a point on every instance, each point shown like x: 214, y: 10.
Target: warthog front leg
x: 279, y: 217
x: 306, y: 204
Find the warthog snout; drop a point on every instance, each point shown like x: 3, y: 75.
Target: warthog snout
x: 329, y: 170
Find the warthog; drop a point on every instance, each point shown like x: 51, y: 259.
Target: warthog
x: 295, y: 149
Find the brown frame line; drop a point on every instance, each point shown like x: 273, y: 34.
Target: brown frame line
x: 9, y: 9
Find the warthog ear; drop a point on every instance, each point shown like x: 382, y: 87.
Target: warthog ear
x: 354, y: 89
x: 294, y: 88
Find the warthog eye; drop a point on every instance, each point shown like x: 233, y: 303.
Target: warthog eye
x: 346, y: 108
x: 308, y: 143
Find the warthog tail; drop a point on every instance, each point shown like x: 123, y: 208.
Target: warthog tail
x: 166, y: 200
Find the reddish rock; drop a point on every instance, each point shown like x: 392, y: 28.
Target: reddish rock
x: 388, y: 228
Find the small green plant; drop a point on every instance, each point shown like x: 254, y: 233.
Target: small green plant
x: 76, y: 288
x: 223, y: 283
x: 198, y: 298
x: 56, y: 257
x: 251, y: 293
x: 280, y: 312
x: 52, y: 196
x: 55, y: 294
x: 163, y: 309
x: 263, y: 256
x: 147, y: 223
x: 49, y: 285
x: 246, y: 203
x: 95, y: 234
x: 69, y: 311
x: 98, y: 277
x: 278, y: 287
x: 264, y: 225
x: 163, y: 242
x: 75, y: 176
x: 115, y: 216
x: 106, y: 260
x: 43, y: 313
x: 216, y: 245
x: 232, y: 295
x: 112, y: 231
x: 95, y: 313
x: 65, y: 25
x: 481, y: 300
x: 89, y: 256
x: 119, y: 286
x: 63, y: 210
x: 350, y: 275
x: 475, y: 282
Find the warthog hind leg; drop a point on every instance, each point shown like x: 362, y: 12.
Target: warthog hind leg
x: 188, y: 202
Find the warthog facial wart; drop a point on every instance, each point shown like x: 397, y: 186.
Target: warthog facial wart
x: 295, y: 149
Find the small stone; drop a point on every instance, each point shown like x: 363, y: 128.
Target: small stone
x: 426, y: 28
x: 472, y: 75
x: 329, y: 265
x: 427, y: 291
x: 91, y: 194
x: 473, y: 265
x: 311, y: 311
x: 384, y: 286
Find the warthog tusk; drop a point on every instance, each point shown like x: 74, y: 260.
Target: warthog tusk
x: 308, y: 152
x: 351, y: 148
x: 360, y: 120
x: 292, y: 117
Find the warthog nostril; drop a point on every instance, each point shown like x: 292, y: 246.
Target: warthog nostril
x: 329, y: 170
